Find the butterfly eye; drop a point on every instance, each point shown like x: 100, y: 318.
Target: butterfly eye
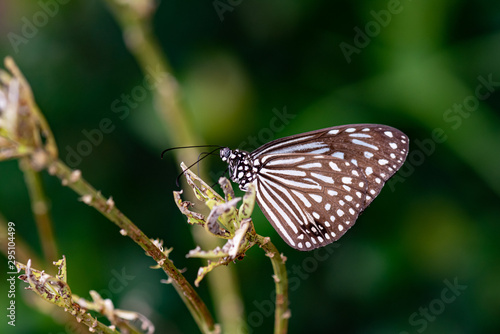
x: 225, y: 153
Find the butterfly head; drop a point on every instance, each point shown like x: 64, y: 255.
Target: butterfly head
x: 241, y: 167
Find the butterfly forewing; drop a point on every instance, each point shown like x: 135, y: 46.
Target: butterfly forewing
x: 313, y: 186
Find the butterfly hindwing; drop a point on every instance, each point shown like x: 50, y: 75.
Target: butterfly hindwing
x: 310, y: 200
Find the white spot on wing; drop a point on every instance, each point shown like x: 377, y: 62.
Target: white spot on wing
x: 316, y: 197
x: 360, y: 135
x: 283, y: 161
x: 333, y: 132
x: 368, y: 155
x: 302, y: 198
x: 383, y: 162
x: 298, y: 148
x: 347, y: 180
x: 324, y: 178
x: 334, y: 166
x: 362, y: 143
x: 320, y: 151
x: 291, y: 172
x: 311, y: 165
x: 339, y: 155
x: 388, y: 133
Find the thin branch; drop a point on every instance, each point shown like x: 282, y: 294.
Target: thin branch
x: 22, y: 123
x: 40, y: 208
x: 282, y: 313
x: 106, y: 207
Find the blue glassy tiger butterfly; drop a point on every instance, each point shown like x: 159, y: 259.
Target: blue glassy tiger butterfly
x: 313, y: 186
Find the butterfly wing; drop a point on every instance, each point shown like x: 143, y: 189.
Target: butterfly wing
x: 313, y: 186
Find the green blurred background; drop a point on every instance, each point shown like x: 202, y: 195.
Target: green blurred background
x: 241, y: 67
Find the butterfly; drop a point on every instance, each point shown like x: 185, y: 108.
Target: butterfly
x: 313, y: 186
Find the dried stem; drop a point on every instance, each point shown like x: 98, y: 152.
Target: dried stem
x: 55, y: 290
x: 24, y: 133
x: 92, y: 197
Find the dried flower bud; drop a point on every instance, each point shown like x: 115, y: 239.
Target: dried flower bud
x: 23, y: 129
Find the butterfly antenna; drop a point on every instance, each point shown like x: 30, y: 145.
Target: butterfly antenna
x: 199, y: 159
x: 194, y: 146
x: 223, y: 173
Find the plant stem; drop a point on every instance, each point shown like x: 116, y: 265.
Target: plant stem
x: 106, y: 207
x: 282, y: 313
x: 40, y: 208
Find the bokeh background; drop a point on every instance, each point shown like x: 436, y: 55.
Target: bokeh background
x: 430, y: 68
